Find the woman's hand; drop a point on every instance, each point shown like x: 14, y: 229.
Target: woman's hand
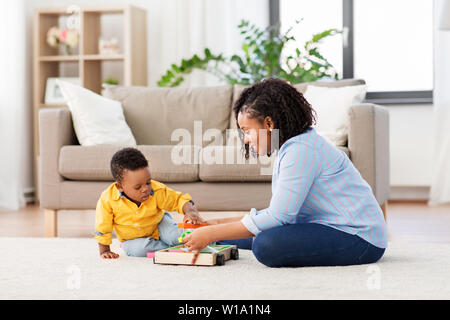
x: 197, y: 240
x: 202, y: 237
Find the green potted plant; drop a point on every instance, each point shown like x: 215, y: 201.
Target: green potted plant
x: 261, y: 58
x: 109, y: 82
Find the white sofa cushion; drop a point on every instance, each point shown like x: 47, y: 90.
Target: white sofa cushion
x: 332, y: 106
x: 96, y: 119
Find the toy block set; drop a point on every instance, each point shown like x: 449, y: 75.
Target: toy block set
x: 209, y: 256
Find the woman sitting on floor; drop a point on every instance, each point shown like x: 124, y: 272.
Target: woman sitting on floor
x: 322, y: 212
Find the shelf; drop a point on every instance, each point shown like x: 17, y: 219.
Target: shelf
x: 59, y: 58
x: 43, y: 105
x: 103, y: 57
x: 100, y: 57
x: 114, y: 9
x: 90, y: 9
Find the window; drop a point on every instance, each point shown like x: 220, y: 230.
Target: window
x: 318, y: 16
x: 393, y: 44
x: 389, y: 44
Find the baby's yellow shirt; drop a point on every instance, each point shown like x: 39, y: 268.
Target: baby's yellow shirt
x: 130, y: 221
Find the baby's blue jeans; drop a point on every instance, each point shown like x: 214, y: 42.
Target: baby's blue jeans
x: 168, y: 237
x: 308, y: 244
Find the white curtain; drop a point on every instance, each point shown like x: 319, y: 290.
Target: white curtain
x: 440, y: 185
x: 187, y: 27
x: 13, y: 106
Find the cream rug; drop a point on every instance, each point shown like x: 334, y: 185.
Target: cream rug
x: 62, y: 268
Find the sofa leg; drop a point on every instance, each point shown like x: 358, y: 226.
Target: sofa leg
x: 384, y: 208
x: 51, y: 223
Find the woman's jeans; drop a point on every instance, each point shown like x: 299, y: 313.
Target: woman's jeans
x: 308, y: 244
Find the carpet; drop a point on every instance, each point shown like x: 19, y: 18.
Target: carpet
x: 64, y: 268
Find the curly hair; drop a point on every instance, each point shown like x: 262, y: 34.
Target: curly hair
x: 276, y: 98
x: 127, y: 159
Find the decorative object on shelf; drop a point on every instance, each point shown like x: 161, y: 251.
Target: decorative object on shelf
x: 73, y: 20
x: 53, y: 94
x: 262, y: 58
x: 109, y: 82
x: 67, y: 38
x: 108, y: 46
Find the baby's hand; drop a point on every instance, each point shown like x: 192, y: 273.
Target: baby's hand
x: 109, y: 255
x: 193, y: 217
x: 191, y: 214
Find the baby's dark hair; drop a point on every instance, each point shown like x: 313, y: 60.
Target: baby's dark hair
x: 291, y: 113
x: 127, y: 159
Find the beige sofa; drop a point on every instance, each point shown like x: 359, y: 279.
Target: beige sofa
x: 73, y: 176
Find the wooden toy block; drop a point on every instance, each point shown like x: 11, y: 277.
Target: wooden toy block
x: 209, y: 256
x: 186, y: 225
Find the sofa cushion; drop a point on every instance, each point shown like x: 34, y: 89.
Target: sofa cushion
x: 332, y: 106
x: 227, y: 164
x: 93, y: 163
x: 96, y: 119
x: 155, y: 113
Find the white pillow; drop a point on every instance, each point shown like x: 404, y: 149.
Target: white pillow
x: 97, y: 120
x: 332, y: 106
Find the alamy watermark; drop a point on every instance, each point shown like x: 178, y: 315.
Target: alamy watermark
x: 374, y: 280
x: 73, y: 21
x: 189, y: 149
x: 73, y: 281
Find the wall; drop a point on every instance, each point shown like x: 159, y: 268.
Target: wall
x: 411, y: 150
x: 411, y: 128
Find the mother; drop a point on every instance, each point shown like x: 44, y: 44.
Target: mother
x: 322, y: 212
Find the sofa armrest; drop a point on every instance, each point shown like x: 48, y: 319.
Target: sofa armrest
x: 55, y: 131
x: 368, y: 142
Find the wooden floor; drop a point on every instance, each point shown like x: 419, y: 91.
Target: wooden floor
x: 410, y: 221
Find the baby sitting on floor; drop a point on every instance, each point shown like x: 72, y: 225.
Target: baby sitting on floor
x: 134, y: 206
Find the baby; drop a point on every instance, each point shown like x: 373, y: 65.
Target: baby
x: 134, y: 206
